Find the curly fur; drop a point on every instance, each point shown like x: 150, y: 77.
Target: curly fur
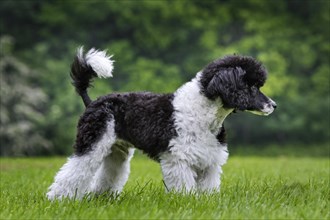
x: 237, y: 79
x: 183, y: 131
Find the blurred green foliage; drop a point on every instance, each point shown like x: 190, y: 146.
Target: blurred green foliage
x: 158, y: 45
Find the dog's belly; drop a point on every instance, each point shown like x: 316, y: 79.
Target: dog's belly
x: 151, y: 142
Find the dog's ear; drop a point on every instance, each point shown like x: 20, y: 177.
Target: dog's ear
x: 226, y: 83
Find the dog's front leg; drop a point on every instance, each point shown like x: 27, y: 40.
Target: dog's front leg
x: 208, y: 180
x: 178, y: 175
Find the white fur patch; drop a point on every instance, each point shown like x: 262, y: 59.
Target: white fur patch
x: 196, y: 156
x: 100, y: 62
x: 74, y: 178
x: 113, y: 173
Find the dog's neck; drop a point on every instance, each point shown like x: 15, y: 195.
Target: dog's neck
x: 190, y: 103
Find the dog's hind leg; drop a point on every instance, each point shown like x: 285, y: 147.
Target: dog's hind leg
x: 114, y: 171
x: 74, y: 178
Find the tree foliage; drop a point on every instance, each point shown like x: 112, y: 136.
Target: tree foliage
x: 160, y: 44
x: 21, y: 107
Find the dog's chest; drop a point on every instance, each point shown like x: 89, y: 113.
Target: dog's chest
x: 197, y: 123
x: 198, y: 147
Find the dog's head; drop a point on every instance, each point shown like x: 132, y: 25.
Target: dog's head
x: 237, y: 81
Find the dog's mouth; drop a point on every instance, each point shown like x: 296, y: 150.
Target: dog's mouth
x: 262, y: 113
x: 267, y: 109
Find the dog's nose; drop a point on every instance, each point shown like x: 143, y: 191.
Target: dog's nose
x: 272, y: 103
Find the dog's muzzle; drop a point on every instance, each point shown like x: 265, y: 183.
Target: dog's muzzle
x: 267, y: 109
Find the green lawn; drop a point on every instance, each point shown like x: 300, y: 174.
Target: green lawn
x: 252, y: 188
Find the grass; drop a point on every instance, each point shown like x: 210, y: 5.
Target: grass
x: 252, y: 188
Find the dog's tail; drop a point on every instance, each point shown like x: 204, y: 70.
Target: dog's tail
x: 86, y: 66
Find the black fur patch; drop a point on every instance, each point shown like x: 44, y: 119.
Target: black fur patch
x: 143, y: 119
x: 92, y: 125
x: 221, y: 136
x: 236, y: 80
x: 255, y: 73
x: 82, y: 75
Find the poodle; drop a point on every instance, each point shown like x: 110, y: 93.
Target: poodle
x: 183, y: 130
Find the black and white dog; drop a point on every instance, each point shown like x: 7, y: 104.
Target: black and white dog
x: 183, y: 131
